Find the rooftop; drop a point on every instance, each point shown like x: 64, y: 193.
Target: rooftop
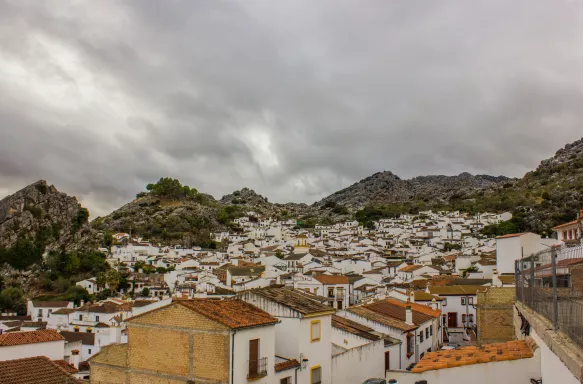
x: 32, y: 337
x: 35, y: 370
x: 231, y: 313
x: 84, y: 337
x: 50, y: 304
x: 294, y: 299
x: 332, y: 279
x: 511, y: 350
x: 457, y: 290
x: 353, y: 327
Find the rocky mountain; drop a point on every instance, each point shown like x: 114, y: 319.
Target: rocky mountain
x: 386, y: 188
x: 550, y: 195
x: 39, y: 212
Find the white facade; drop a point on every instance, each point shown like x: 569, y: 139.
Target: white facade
x: 240, y: 346
x: 54, y: 350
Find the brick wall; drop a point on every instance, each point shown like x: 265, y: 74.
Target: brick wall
x: 495, y: 311
x: 168, y: 346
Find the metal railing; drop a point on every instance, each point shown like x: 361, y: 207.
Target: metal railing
x: 551, y: 283
x: 257, y: 368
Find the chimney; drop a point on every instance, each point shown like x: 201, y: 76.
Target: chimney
x: 434, y: 304
x: 408, y: 315
x: 412, y: 296
x: 495, y: 281
x: 74, y: 358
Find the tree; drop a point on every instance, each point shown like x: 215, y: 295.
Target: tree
x: 146, y: 292
x: 12, y: 299
x: 77, y: 294
x: 279, y: 254
x: 105, y: 293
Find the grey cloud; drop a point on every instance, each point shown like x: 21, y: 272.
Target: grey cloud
x: 295, y: 99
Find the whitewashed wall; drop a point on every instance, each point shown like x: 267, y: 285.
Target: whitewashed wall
x: 359, y: 363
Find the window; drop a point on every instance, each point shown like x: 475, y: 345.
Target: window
x: 471, y: 320
x: 421, y: 336
x: 89, y: 351
x: 387, y: 360
x: 471, y: 299
x: 316, y: 375
x: 49, y: 312
x: 463, y: 301
x: 96, y: 318
x: 444, y: 302
x: 410, y: 345
x: 427, y: 332
x: 464, y: 319
x: 330, y: 292
x: 40, y: 313
x: 431, y: 331
x: 315, y: 331
x: 285, y: 380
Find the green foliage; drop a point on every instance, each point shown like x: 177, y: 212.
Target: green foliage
x: 279, y: 254
x: 12, y: 300
x: 76, y: 293
x: 170, y: 188
x: 451, y: 247
x: 107, y: 240
x: 146, y: 292
x: 469, y: 270
x: 515, y: 225
x: 229, y: 213
x: 105, y: 293
x: 81, y: 218
x: 22, y: 255
x: 76, y: 263
x: 307, y: 222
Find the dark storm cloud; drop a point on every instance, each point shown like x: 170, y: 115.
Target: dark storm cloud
x: 295, y: 99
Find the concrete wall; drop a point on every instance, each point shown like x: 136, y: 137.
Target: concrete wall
x: 553, y: 370
x: 513, y: 371
x: 266, y: 336
x: 54, y: 350
x: 359, y: 363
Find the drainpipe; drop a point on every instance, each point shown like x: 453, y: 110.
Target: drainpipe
x: 233, y: 355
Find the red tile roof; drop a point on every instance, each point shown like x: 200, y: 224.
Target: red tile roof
x: 566, y: 224
x: 50, y: 304
x: 66, y: 366
x: 231, y: 313
x: 35, y: 370
x: 511, y: 235
x: 285, y: 365
x: 21, y: 338
x: 511, y: 350
x: 331, y: 279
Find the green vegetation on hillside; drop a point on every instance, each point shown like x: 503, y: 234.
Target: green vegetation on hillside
x: 170, y: 188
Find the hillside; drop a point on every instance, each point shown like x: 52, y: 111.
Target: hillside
x: 388, y: 188
x: 40, y: 212
x: 550, y: 195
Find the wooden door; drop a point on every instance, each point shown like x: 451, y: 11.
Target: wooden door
x: 253, y: 357
x: 452, y: 319
x: 387, y: 360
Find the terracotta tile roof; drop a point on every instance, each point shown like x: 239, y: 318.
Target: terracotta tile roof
x: 566, y: 224
x: 32, y: 337
x: 64, y: 311
x: 331, y: 279
x: 285, y: 365
x: 35, y: 370
x: 295, y: 299
x: 511, y: 350
x: 512, y: 235
x: 66, y: 366
x: 381, y: 318
x: 50, y: 304
x: 457, y: 290
x: 411, y: 268
x: 34, y: 324
x: 424, y: 296
x: 424, y: 309
x: 231, y: 313
x: 354, y: 328
x: 107, y: 307
x: 84, y: 337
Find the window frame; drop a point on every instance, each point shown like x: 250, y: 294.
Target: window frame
x: 421, y: 338
x: 287, y: 380
x: 312, y: 369
x: 463, y: 300
x: 312, y: 323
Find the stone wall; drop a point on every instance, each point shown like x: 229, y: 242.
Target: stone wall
x: 495, y: 311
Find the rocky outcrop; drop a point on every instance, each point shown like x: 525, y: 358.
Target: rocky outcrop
x: 42, y: 213
x: 386, y: 187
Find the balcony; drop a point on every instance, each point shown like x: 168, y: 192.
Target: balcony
x: 257, y: 368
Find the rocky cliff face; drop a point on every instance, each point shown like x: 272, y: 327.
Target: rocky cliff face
x: 42, y: 213
x: 386, y: 187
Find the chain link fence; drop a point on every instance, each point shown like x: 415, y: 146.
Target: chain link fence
x: 551, y: 283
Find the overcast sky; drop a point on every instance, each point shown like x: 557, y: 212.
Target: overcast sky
x: 293, y: 98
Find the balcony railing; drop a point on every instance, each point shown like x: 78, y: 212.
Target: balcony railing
x: 257, y: 368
